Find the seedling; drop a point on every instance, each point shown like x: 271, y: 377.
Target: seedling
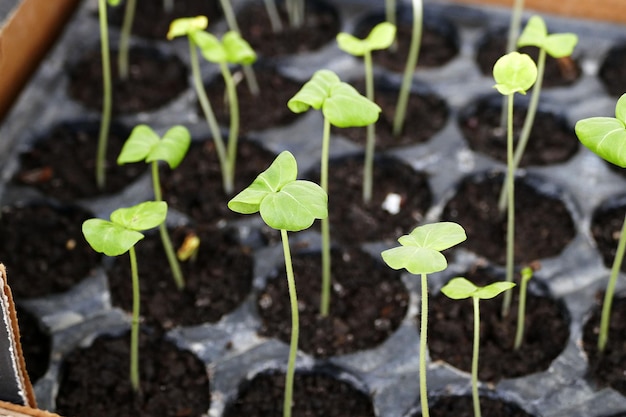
x: 231, y: 50
x: 381, y: 37
x: 420, y: 253
x: 527, y: 274
x: 460, y: 288
x: 558, y: 45
x: 605, y: 136
x: 342, y: 106
x: 145, y: 145
x: 118, y: 236
x: 288, y: 205
x: 513, y: 73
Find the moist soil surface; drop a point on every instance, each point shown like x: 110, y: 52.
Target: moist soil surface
x: 95, y: 381
x: 463, y: 407
x: 153, y: 81
x: 451, y: 332
x: 268, y: 109
x: 368, y: 302
x: 44, y: 249
x: 551, y: 141
x: 613, y: 71
x: 606, y: 226
x: 62, y: 164
x: 543, y: 225
x: 315, y: 394
x: 321, y: 25
x: 216, y: 282
x: 352, y: 221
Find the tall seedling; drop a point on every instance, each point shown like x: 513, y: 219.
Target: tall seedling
x: 288, y: 205
x: 605, y: 136
x: 145, y: 145
x: 342, y: 106
x: 118, y: 236
x: 381, y: 37
x: 420, y: 254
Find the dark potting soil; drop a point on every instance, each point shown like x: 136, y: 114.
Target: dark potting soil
x: 95, y: 380
x: 153, y: 81
x: 543, y: 225
x: 195, y: 187
x: 62, y: 163
x: 451, y: 332
x: 321, y: 25
x: 462, y: 406
x: 35, y: 342
x: 613, y: 71
x: 368, y: 302
x: 426, y: 113
x: 606, y: 226
x: 43, y: 249
x: 607, y: 368
x: 315, y: 394
x: 354, y: 222
x: 551, y: 140
x: 216, y: 282
x: 559, y: 72
x: 257, y: 112
x: 153, y: 21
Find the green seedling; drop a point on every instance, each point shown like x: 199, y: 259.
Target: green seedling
x: 605, y: 136
x: 342, y: 106
x: 107, y: 93
x: 381, y: 37
x: 420, y: 253
x: 459, y: 289
x: 127, y: 25
x: 118, y: 236
x: 409, y: 69
x: 288, y: 205
x: 527, y: 274
x: 145, y: 145
x: 513, y: 73
x: 558, y: 45
x: 231, y: 50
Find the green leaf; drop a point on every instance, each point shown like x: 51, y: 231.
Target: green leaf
x: 351, y: 44
x: 210, y: 47
x: 620, y: 109
x: 380, y: 37
x: 172, y: 148
x: 238, y: 51
x: 416, y: 260
x: 187, y: 25
x: 109, y: 238
x: 143, y: 216
x: 138, y: 145
x: 460, y: 288
x: 605, y: 136
x: 295, y: 207
x: 557, y: 45
x: 561, y: 45
x: 113, y: 2
x: 534, y: 34
x: 314, y: 92
x: 437, y: 236
x: 514, y: 73
x: 493, y: 289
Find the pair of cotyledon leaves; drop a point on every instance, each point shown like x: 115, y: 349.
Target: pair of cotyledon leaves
x: 144, y: 144
x: 380, y: 37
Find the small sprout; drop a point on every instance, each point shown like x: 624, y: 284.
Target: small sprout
x: 189, y: 248
x: 527, y: 274
x: 118, y: 236
x: 460, y: 288
x: 420, y: 253
x: 605, y: 136
x: 286, y: 204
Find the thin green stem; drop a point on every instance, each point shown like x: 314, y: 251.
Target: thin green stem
x: 423, y: 348
x: 390, y: 16
x: 610, y: 289
x: 272, y: 14
x: 475, y: 397
x: 295, y: 327
x: 510, y: 222
x: 325, y: 296
x: 511, y: 41
x: 370, y: 145
x: 134, y: 327
x: 528, y: 122
x: 177, y: 273
x: 521, y: 310
x: 411, y: 63
x: 107, y: 99
x: 295, y: 11
x: 127, y: 25
x: 210, y: 117
x: 233, y: 133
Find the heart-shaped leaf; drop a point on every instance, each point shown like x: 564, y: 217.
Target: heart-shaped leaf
x: 514, y: 73
x: 143, y: 216
x: 414, y: 259
x: 210, y: 47
x: 605, y: 136
x: 380, y: 37
x: 460, y: 288
x: 314, y: 92
x: 187, y: 25
x: 139, y: 145
x: 109, y: 238
x: 238, y: 50
x: 557, y: 45
x: 172, y: 148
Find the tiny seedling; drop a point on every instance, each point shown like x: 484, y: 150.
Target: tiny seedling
x: 460, y: 288
x: 605, y: 136
x: 288, y: 205
x: 231, y: 50
x: 527, y: 274
x: 420, y: 253
x: 118, y: 236
x: 513, y: 73
x: 342, y: 106
x: 558, y: 45
x: 381, y: 37
x: 145, y: 145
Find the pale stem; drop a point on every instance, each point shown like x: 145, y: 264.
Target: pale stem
x: 370, y: 145
x: 475, y: 397
x: 127, y: 25
x: 423, y: 348
x: 134, y: 327
x: 233, y: 133
x: 295, y: 327
x: 514, y: 30
x: 107, y: 99
x: 390, y: 16
x: 521, y: 310
x: 272, y: 13
x: 325, y: 296
x: 510, y: 222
